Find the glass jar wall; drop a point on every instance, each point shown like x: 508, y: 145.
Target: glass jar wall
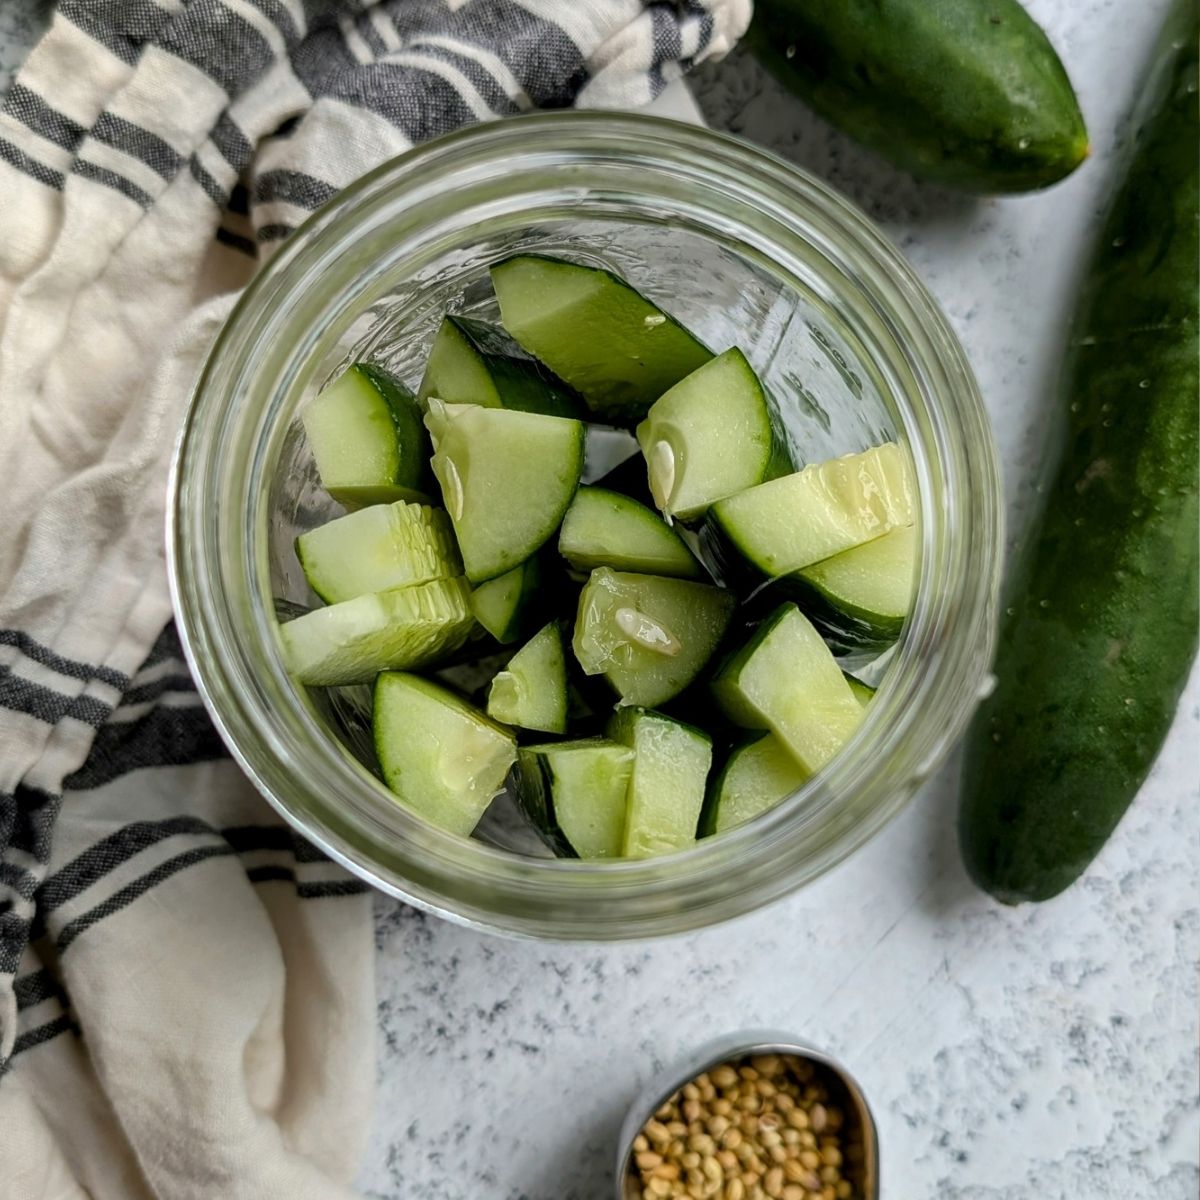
x: 741, y: 247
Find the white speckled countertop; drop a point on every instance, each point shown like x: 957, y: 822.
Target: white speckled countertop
x: 1008, y: 1054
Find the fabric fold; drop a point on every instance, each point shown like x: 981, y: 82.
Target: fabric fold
x: 186, y: 989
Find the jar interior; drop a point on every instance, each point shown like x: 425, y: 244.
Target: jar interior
x: 834, y: 395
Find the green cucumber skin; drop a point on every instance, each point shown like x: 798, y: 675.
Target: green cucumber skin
x: 864, y: 693
x: 1089, y: 680
x: 761, y: 595
x: 783, y: 460
x: 966, y: 93
x: 707, y: 825
x: 523, y: 382
x: 725, y: 565
x: 535, y: 797
x: 845, y: 632
x: 411, y: 434
x: 627, y: 403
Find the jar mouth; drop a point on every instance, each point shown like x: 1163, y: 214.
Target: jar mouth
x: 328, y: 275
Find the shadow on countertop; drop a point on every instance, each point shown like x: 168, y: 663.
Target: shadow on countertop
x: 739, y: 94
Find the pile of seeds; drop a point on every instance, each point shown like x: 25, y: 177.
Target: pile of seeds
x: 762, y: 1127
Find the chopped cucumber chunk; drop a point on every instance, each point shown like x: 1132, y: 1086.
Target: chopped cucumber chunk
x: 666, y: 787
x: 575, y: 793
x: 352, y: 641
x: 606, y: 529
x: 532, y: 690
x: 593, y: 330
x: 502, y: 605
x: 801, y: 519
x: 472, y: 362
x: 647, y: 635
x: 757, y: 775
x: 381, y: 547
x: 507, y: 477
x: 365, y: 434
x: 708, y: 437
x: 786, y: 680
x: 860, y: 598
x: 442, y: 758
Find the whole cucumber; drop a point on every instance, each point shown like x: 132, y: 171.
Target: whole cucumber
x: 967, y: 93
x: 1102, y: 624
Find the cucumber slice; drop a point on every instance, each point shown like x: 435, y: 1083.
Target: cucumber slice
x: 864, y: 693
x: 757, y: 775
x: 502, y: 605
x: 648, y: 636
x: 574, y: 792
x: 860, y: 598
x: 708, y: 437
x: 666, y: 787
x: 352, y: 641
x: 381, y: 547
x: 784, y: 679
x: 606, y: 529
x: 507, y: 478
x: 365, y: 434
x: 532, y: 690
x: 472, y: 362
x: 442, y: 758
x: 793, y: 522
x: 594, y: 331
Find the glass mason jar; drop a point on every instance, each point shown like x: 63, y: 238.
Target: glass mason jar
x: 741, y: 247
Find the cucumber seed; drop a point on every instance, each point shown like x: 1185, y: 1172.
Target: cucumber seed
x: 662, y: 473
x: 647, y: 632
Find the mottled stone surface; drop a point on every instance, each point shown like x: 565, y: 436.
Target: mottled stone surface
x: 1009, y: 1054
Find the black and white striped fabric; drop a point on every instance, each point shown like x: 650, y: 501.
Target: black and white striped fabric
x: 186, y: 993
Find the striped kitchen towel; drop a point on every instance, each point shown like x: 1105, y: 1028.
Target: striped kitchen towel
x: 186, y: 991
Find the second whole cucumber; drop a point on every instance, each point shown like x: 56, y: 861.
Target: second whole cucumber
x: 966, y: 93
x: 1102, y: 619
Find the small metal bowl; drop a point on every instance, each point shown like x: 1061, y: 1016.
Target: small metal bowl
x: 842, y: 1086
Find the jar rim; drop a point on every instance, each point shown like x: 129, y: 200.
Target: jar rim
x: 216, y: 560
